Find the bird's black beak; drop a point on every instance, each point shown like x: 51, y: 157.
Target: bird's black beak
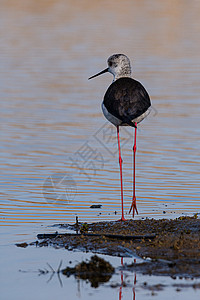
x: 104, y: 71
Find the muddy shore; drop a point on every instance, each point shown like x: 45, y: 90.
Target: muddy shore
x: 174, y: 251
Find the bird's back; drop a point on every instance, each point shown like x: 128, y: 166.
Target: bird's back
x: 126, y: 99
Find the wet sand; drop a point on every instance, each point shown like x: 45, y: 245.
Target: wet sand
x: 174, y: 251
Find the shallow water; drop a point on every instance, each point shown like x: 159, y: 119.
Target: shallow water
x: 25, y: 277
x: 58, y: 153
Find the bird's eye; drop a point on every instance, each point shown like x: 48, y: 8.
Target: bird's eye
x: 110, y: 64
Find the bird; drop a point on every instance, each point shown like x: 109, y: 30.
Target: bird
x: 125, y: 103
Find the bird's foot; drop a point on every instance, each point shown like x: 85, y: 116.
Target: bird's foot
x: 133, y: 206
x: 122, y: 219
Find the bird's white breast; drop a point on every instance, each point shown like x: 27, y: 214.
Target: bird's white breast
x: 141, y: 117
x: 110, y: 117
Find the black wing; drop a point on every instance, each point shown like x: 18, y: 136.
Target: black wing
x: 126, y: 99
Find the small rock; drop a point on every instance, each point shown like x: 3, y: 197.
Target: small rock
x: 96, y: 206
x: 22, y: 245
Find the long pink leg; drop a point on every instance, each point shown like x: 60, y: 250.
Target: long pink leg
x: 133, y: 205
x: 120, y: 164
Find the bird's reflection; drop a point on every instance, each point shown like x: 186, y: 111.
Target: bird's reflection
x: 122, y: 281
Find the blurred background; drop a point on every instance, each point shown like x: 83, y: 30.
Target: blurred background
x: 58, y: 153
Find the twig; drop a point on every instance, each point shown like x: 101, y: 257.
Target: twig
x: 58, y: 271
x: 111, y: 236
x: 51, y: 268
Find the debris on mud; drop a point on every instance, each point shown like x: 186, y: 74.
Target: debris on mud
x: 84, y: 228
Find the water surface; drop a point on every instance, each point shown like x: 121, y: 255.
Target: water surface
x: 58, y: 153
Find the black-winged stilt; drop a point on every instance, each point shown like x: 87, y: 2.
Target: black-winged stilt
x: 126, y: 103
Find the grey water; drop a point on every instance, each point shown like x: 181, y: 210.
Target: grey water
x: 59, y: 155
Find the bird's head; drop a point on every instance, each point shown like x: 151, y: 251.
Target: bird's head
x: 118, y: 65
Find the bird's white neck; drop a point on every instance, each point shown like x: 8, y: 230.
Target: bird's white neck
x: 119, y: 72
x: 117, y: 76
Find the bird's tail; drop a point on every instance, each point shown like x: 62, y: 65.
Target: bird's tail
x: 129, y: 122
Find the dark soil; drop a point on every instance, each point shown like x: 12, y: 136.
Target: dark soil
x: 97, y: 271
x: 175, y: 250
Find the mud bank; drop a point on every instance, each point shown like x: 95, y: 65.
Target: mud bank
x: 174, y: 251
